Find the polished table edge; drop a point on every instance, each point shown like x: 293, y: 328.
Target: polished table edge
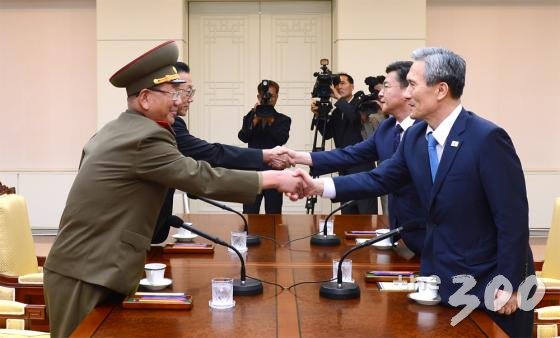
x: 93, y: 321
x: 487, y: 325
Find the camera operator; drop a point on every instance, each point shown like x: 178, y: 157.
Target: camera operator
x: 264, y: 128
x: 371, y: 117
x: 344, y: 126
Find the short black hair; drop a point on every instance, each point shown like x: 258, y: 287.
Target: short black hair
x: 402, y: 68
x: 350, y: 79
x: 182, y: 67
x: 369, y: 107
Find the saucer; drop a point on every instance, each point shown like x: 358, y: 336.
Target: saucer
x: 420, y: 300
x: 220, y: 307
x: 382, y: 246
x: 164, y: 283
x: 184, y: 238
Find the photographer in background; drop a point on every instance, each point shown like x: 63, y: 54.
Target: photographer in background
x: 344, y: 126
x: 264, y: 128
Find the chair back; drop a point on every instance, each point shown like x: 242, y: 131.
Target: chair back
x: 551, y: 265
x: 17, y: 249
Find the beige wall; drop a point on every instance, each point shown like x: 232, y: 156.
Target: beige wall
x: 125, y: 30
x: 57, y: 55
x: 47, y: 72
x: 513, y: 77
x: 367, y: 35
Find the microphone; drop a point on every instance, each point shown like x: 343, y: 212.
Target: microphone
x: 347, y: 290
x: 243, y: 286
x: 329, y: 240
x: 251, y: 239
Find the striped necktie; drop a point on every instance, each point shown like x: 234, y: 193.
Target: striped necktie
x: 397, y: 137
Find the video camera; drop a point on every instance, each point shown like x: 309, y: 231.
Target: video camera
x: 371, y: 82
x: 322, y: 88
x: 264, y: 108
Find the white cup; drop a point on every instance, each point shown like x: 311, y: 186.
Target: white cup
x: 346, y: 270
x: 428, y: 286
x: 155, y: 272
x: 222, y: 293
x: 239, y: 240
x: 386, y: 241
x: 184, y: 232
x: 330, y: 226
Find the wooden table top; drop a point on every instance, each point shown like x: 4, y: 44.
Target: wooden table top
x: 297, y: 312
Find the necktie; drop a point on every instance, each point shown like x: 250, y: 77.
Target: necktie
x: 432, y: 153
x: 397, y: 136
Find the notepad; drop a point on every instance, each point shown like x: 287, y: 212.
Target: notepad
x: 396, y: 287
x: 389, y: 276
x: 158, y: 300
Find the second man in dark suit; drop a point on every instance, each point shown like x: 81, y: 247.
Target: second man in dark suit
x: 404, y: 204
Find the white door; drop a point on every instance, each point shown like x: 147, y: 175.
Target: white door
x: 234, y: 45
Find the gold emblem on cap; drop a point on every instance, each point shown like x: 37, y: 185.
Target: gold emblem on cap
x: 166, y: 78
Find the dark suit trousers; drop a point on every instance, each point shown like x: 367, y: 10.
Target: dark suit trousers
x: 69, y: 301
x: 518, y: 324
x: 272, y: 203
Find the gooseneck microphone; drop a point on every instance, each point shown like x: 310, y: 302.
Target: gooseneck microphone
x: 348, y: 290
x: 243, y: 286
x: 251, y: 239
x: 323, y: 238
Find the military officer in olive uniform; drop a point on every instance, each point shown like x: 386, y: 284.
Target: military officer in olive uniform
x: 125, y: 170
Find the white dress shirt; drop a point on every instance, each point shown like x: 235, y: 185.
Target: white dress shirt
x: 329, y: 190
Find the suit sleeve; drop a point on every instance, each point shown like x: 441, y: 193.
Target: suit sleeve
x: 325, y: 162
x: 158, y: 160
x: 280, y: 130
x: 246, y: 128
x: 391, y: 175
x: 504, y: 185
x: 349, y: 111
x: 218, y: 155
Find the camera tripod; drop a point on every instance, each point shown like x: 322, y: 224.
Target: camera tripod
x: 320, y: 120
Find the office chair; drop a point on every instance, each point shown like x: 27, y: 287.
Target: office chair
x: 19, y: 267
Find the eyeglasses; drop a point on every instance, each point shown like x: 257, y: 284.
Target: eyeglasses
x: 189, y: 92
x: 181, y: 93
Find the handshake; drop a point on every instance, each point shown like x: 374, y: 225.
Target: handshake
x: 296, y: 184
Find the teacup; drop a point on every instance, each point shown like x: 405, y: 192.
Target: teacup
x: 428, y: 286
x: 184, y: 232
x: 155, y: 273
x: 386, y: 241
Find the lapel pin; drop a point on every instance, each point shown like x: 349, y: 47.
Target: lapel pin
x: 455, y: 144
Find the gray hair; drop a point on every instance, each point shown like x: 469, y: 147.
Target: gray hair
x: 442, y: 65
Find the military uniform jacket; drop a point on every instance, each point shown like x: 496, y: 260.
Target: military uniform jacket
x: 109, y: 218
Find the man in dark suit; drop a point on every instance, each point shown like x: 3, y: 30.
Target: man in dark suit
x: 344, y: 126
x: 404, y: 204
x: 264, y: 127
x: 471, y: 185
x: 125, y: 170
x: 216, y: 154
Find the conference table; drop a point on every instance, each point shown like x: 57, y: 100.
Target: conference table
x: 281, y: 312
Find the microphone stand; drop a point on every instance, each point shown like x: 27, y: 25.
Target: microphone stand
x: 243, y: 286
x: 328, y: 240
x: 348, y: 290
x: 251, y: 239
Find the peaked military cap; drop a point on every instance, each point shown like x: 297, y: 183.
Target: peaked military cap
x: 149, y: 69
